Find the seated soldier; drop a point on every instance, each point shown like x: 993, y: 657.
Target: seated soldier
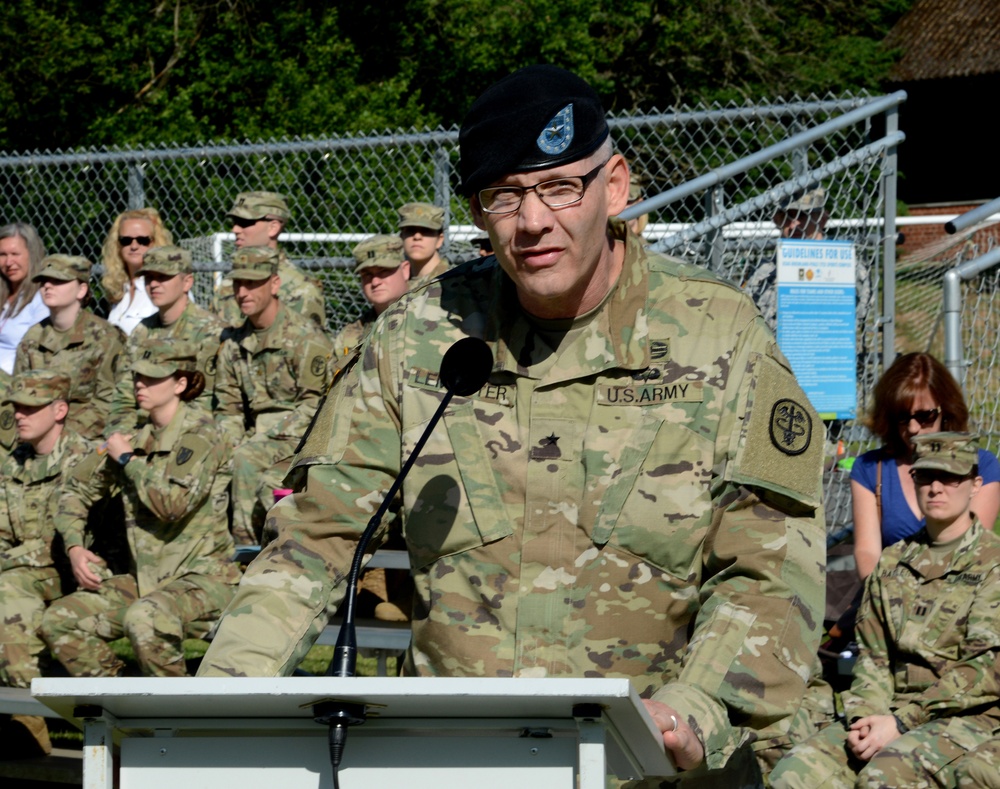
x: 925, y: 686
x: 75, y: 342
x: 174, y: 484
x: 258, y: 218
x: 384, y: 273
x: 29, y: 580
x: 421, y: 226
x: 272, y: 372
x: 169, y: 277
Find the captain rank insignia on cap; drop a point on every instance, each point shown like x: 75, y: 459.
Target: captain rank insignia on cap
x: 791, y: 427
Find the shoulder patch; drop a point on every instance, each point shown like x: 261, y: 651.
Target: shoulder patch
x: 782, y: 441
x: 315, y: 361
x: 190, y: 449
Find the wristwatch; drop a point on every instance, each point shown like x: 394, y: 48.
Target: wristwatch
x: 124, y: 458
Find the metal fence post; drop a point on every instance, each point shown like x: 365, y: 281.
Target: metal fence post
x: 887, y: 318
x: 136, y: 187
x: 442, y: 185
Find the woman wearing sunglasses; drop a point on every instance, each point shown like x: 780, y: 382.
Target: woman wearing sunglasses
x: 915, y: 396
x: 132, y: 235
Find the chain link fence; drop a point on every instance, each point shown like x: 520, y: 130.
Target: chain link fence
x: 341, y: 190
x: 920, y: 309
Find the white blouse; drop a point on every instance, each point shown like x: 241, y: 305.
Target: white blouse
x: 14, y: 327
x: 126, y: 315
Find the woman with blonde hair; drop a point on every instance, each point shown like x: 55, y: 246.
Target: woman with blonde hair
x: 132, y: 235
x: 21, y: 305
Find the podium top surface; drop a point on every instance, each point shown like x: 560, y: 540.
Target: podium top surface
x: 292, y: 697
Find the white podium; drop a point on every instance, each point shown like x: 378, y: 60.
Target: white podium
x: 421, y: 733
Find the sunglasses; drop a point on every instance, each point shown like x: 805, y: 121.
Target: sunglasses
x: 142, y: 241
x: 922, y: 476
x: 925, y: 417
x: 241, y: 222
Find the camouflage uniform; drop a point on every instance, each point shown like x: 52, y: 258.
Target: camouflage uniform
x: 268, y: 386
x: 175, y: 492
x: 28, y: 576
x: 8, y: 430
x: 929, y: 645
x: 299, y: 292
x: 618, y: 509
x: 88, y: 353
x: 980, y: 767
x: 197, y: 326
x: 352, y: 335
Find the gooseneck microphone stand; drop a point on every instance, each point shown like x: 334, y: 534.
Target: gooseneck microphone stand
x: 465, y: 368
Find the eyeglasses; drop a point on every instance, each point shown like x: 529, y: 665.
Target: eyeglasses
x: 925, y: 417
x: 239, y: 221
x: 557, y: 193
x: 924, y: 476
x: 142, y: 241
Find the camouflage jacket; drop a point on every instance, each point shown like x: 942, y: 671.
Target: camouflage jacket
x: 299, y: 292
x: 443, y: 265
x: 197, y: 326
x: 271, y: 381
x: 351, y: 336
x: 175, y: 491
x: 88, y: 353
x: 28, y: 499
x: 644, y: 503
x: 928, y: 631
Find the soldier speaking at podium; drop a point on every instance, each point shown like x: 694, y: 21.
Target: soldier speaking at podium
x: 634, y: 493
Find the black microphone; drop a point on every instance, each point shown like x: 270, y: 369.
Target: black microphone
x: 465, y: 368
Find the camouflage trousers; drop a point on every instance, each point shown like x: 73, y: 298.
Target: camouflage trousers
x: 924, y: 757
x: 980, y: 767
x: 24, y: 594
x: 259, y: 466
x: 77, y: 627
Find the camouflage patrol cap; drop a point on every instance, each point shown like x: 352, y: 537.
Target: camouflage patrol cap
x: 65, y: 268
x: 260, y: 205
x: 421, y: 215
x: 255, y: 263
x: 38, y: 387
x: 955, y: 453
x: 538, y: 117
x: 167, y: 260
x: 381, y: 251
x: 810, y: 200
x: 160, y: 357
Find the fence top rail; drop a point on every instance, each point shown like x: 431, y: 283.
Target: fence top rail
x: 803, y: 138
x: 970, y: 218
x: 439, y: 136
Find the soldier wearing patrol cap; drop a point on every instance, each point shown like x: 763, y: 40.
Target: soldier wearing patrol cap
x: 174, y: 481
x: 925, y: 685
x: 421, y: 226
x: 169, y: 277
x: 75, y: 342
x: 29, y: 580
x: 635, y: 492
x: 258, y: 218
x: 384, y: 272
x: 271, y: 373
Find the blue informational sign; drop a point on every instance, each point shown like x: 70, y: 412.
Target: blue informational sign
x: 816, y: 321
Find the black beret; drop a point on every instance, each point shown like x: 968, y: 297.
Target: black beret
x: 538, y: 117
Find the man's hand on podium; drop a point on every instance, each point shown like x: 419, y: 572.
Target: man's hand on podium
x: 678, y: 738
